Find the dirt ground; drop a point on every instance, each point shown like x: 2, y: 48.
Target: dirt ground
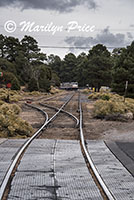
x: 63, y: 127
x: 106, y: 130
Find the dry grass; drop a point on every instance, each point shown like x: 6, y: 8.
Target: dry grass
x: 86, y: 91
x: 13, y: 94
x: 103, y: 108
x: 105, y: 96
x: 54, y: 90
x: 34, y: 93
x: 10, y: 123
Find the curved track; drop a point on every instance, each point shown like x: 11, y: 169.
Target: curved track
x: 63, y: 111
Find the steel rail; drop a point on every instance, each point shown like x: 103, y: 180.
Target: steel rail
x: 97, y: 175
x: 63, y: 111
x: 40, y: 110
x: 23, y: 148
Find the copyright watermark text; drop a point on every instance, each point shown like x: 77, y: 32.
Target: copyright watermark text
x: 27, y: 26
x: 10, y: 26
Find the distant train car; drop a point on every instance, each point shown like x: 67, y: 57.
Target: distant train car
x: 74, y: 85
x: 69, y: 86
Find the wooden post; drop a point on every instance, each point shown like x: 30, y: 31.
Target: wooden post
x: 125, y: 93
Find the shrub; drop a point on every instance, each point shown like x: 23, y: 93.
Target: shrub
x: 115, y: 107
x: 10, y: 123
x: 105, y: 96
x: 104, y: 108
x: 130, y: 104
x: 14, y: 95
x: 110, y: 105
x: 54, y: 90
x: 1, y: 102
x: 99, y: 95
x: 14, y: 98
x: 86, y: 91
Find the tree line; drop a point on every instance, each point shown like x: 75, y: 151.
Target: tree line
x: 25, y: 64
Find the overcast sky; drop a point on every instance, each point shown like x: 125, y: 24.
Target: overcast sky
x: 69, y: 23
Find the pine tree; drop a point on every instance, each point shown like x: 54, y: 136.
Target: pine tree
x: 124, y: 71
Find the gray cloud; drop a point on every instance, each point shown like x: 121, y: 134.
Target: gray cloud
x: 129, y: 35
x: 105, y: 37
x: 80, y: 41
x: 110, y: 39
x: 58, y: 5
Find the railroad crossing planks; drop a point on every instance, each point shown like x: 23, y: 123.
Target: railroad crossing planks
x: 8, y: 149
x: 119, y: 181
x: 53, y: 169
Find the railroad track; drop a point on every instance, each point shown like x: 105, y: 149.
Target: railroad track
x: 66, y: 123
x: 10, y: 173
x: 101, y: 188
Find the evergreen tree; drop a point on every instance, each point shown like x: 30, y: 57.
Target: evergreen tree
x: 23, y: 68
x: 2, y: 46
x: 55, y: 81
x: 12, y: 46
x: 81, y: 71
x: 124, y: 71
x: 99, y: 66
x: 68, y: 68
x: 44, y: 78
x: 7, y: 66
x: 32, y: 85
x: 30, y: 47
